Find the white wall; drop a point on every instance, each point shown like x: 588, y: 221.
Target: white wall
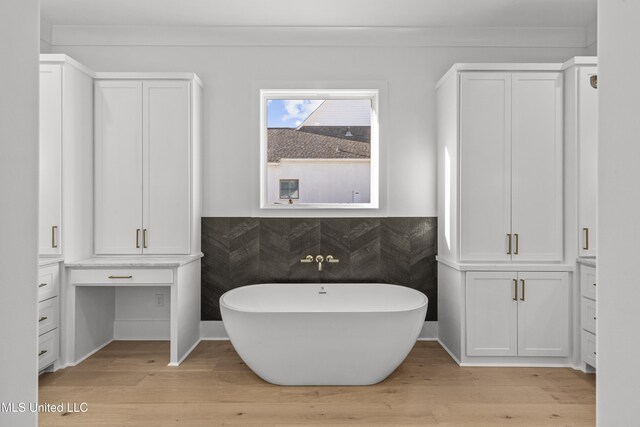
x: 231, y: 122
x: 321, y: 181
x: 618, y: 347
x: 19, y: 76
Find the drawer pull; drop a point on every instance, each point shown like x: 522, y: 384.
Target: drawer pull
x: 523, y: 285
x: 42, y: 285
x: 54, y: 243
x: 43, y: 318
x: 585, y: 246
x: 42, y: 352
x: 120, y: 277
x: 594, y: 318
x: 515, y: 289
x: 517, y: 243
x: 594, y: 284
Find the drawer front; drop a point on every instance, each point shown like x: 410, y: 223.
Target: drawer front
x: 48, y: 317
x: 48, y: 282
x: 589, y: 348
x: 588, y: 310
x: 588, y: 282
x: 47, y: 349
x: 122, y: 276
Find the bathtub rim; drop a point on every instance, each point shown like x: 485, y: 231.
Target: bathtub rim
x: 425, y: 300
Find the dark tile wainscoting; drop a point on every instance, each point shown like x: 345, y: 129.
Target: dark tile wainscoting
x: 244, y: 251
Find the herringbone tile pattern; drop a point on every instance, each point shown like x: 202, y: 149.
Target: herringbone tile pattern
x: 243, y: 251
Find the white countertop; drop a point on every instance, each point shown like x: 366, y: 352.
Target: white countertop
x: 44, y: 261
x: 591, y: 262
x: 134, y: 261
x: 505, y: 266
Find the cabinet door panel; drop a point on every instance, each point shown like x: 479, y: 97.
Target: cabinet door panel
x: 588, y: 161
x: 167, y: 167
x: 543, y: 314
x: 485, y: 166
x: 118, y: 109
x: 50, y: 194
x: 491, y: 314
x: 537, y: 166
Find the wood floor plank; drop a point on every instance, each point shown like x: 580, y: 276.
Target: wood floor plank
x: 129, y: 384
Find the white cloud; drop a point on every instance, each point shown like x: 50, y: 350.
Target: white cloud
x: 299, y: 109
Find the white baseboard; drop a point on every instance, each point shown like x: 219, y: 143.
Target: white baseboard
x: 214, y: 330
x: 453, y: 356
x: 88, y: 355
x: 150, y: 330
x: 185, y: 355
x: 211, y: 330
x: 429, y: 332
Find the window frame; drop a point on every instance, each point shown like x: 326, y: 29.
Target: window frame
x: 297, y: 181
x: 374, y: 190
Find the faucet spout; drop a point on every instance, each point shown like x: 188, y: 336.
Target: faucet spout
x: 319, y: 260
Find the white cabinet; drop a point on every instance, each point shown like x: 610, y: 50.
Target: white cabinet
x: 147, y: 166
x: 504, y: 314
x: 536, y: 197
x: 48, y: 315
x: 587, y: 136
x: 492, y: 311
x: 588, y: 315
x: 485, y: 166
x: 510, y: 162
x: 50, y: 187
x: 118, y: 142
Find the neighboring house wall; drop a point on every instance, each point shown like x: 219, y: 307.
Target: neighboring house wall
x: 321, y: 180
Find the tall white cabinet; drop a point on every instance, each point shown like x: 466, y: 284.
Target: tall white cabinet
x: 147, y: 191
x: 510, y: 166
x: 500, y: 209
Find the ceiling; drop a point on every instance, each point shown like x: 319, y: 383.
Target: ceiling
x: 347, y: 13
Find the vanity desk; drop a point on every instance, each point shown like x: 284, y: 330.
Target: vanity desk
x: 91, y: 291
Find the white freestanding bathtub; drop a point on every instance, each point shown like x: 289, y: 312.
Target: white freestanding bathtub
x: 323, y: 334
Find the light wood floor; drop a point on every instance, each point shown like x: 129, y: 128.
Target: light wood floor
x: 129, y: 384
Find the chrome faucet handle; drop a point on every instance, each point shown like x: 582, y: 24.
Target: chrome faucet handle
x: 307, y: 259
x: 330, y: 258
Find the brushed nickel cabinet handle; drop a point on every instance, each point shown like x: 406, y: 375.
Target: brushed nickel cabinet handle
x: 523, y: 284
x: 137, y: 238
x: 42, y: 352
x: 54, y: 244
x: 585, y: 246
x: 517, y: 243
x: 509, y: 243
x: 42, y: 285
x: 42, y: 319
x: 144, y: 238
x: 515, y: 289
x: 120, y: 277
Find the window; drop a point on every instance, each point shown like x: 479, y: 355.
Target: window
x: 289, y: 189
x: 328, y: 139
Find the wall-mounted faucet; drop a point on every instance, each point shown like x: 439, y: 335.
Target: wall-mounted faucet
x: 319, y: 259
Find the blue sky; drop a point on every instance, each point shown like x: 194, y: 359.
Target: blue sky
x: 289, y: 113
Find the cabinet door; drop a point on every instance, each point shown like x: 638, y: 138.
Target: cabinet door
x: 118, y: 167
x: 50, y: 194
x: 485, y: 166
x: 543, y: 314
x: 491, y: 314
x: 167, y: 167
x: 537, y: 167
x: 588, y: 161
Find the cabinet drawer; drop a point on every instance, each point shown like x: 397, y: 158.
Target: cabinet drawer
x: 47, y: 349
x: 48, y: 318
x: 121, y: 276
x: 588, y: 315
x: 48, y: 282
x: 588, y: 282
x: 589, y: 348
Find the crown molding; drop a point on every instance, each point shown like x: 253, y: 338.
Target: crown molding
x: 99, y: 35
